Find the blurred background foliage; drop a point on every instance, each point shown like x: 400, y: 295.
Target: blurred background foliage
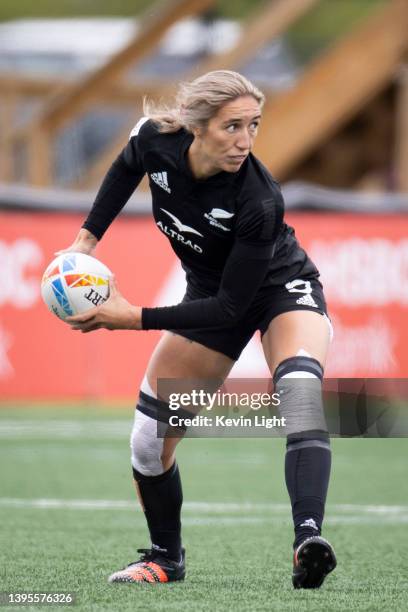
x: 319, y: 27
x: 329, y: 17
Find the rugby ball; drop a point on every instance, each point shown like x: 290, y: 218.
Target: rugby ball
x: 73, y: 283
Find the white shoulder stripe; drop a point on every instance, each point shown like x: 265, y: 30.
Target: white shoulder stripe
x: 137, y: 127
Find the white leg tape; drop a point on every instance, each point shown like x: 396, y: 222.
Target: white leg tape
x: 146, y: 388
x: 147, y: 448
x: 299, y: 374
x: 301, y: 401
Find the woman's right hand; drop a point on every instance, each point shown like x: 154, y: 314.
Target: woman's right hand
x: 85, y: 242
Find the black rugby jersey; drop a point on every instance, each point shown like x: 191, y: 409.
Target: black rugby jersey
x: 227, y: 230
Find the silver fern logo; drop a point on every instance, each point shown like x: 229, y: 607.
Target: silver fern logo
x: 219, y: 213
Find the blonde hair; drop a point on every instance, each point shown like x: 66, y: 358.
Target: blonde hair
x: 199, y: 100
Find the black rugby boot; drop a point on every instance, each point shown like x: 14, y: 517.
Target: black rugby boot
x: 313, y: 559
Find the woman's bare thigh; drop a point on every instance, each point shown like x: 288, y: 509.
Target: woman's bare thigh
x: 189, y: 364
x: 294, y: 331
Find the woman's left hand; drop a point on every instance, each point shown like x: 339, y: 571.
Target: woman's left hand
x: 115, y: 313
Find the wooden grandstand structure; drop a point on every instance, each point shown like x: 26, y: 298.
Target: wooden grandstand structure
x: 312, y: 131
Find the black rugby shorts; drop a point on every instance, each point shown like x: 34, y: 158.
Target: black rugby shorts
x: 298, y: 294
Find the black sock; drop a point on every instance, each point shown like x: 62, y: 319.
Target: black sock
x: 162, y: 498
x: 307, y: 473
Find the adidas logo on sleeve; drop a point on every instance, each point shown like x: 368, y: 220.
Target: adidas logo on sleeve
x: 307, y: 300
x: 160, y: 178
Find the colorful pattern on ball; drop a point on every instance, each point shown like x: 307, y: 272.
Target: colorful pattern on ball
x: 74, y: 283
x: 59, y: 293
x: 84, y: 280
x: 68, y: 263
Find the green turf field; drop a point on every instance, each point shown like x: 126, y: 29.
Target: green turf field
x: 68, y: 519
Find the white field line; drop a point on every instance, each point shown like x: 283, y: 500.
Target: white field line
x: 278, y: 520
x: 13, y: 428
x: 193, y: 506
x: 246, y: 512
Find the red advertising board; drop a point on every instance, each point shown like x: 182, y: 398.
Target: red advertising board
x: 363, y: 261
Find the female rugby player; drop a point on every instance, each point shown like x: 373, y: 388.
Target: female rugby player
x: 222, y: 212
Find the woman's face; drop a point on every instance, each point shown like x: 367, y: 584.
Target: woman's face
x: 227, y: 139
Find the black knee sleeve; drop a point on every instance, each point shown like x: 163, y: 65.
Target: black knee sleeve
x: 162, y: 498
x: 161, y: 492
x: 308, y: 456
